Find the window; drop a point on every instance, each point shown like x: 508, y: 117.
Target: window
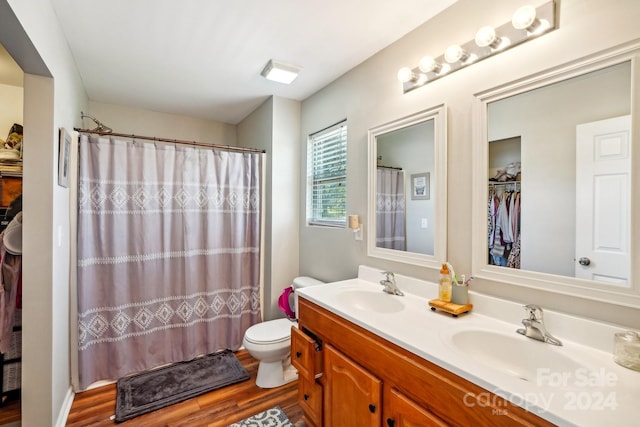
x: 327, y: 177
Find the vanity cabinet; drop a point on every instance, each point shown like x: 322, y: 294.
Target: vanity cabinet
x: 352, y: 395
x: 306, y: 358
x: 401, y: 411
x: 366, y: 380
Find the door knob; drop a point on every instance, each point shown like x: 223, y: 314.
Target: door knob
x: 584, y: 261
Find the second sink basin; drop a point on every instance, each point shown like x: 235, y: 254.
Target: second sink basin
x: 370, y: 301
x: 519, y: 356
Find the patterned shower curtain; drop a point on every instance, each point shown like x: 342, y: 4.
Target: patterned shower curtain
x: 390, y: 212
x: 168, y: 253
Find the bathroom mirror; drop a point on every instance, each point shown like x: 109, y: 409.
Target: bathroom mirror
x: 407, y: 189
x: 554, y: 200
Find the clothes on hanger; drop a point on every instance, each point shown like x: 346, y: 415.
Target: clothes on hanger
x: 504, y: 228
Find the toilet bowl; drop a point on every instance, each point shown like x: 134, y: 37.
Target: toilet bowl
x: 270, y: 343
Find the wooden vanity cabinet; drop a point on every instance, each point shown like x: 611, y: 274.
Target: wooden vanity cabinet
x: 352, y: 395
x: 366, y: 380
x: 306, y: 357
x: 401, y: 411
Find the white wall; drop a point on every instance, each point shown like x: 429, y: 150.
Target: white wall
x: 38, y: 46
x: 370, y: 95
x: 10, y: 108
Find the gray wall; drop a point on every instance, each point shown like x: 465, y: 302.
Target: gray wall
x: 274, y: 127
x: 370, y: 95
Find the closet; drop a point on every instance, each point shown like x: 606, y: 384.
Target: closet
x: 504, y: 224
x: 504, y: 203
x: 11, y: 119
x: 10, y: 255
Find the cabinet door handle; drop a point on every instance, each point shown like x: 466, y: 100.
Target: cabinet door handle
x: 306, y: 396
x: 298, y: 354
x: 372, y: 408
x: 391, y: 422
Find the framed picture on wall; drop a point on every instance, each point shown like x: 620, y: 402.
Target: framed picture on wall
x: 63, y: 158
x: 420, y: 186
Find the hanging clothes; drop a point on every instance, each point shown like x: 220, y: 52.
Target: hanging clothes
x: 10, y: 293
x: 504, y: 227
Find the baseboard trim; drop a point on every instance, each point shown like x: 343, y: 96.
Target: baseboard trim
x: 65, y: 408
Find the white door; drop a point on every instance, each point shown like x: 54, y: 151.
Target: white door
x: 603, y: 177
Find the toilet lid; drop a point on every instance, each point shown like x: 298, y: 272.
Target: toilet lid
x: 272, y: 331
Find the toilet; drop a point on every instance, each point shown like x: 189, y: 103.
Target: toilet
x: 270, y: 342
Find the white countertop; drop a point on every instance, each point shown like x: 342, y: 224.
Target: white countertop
x: 598, y: 393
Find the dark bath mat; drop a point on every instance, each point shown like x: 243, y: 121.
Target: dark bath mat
x: 155, y: 389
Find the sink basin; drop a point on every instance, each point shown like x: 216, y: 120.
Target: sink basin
x: 370, y: 301
x: 519, y: 356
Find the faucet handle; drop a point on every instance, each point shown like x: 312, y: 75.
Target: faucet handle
x: 388, y: 276
x: 535, y: 311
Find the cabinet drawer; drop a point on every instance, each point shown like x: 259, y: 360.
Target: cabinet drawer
x: 304, y: 356
x: 310, y: 400
x: 404, y: 412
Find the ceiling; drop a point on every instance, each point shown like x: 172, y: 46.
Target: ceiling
x: 203, y: 58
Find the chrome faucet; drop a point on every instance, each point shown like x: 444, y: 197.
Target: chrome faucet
x: 389, y: 284
x: 534, y: 326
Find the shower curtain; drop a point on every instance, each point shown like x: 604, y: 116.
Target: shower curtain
x: 390, y: 212
x: 168, y: 253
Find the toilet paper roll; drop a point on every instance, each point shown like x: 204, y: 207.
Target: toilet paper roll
x: 354, y: 222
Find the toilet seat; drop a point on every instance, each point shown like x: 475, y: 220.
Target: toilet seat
x: 270, y: 332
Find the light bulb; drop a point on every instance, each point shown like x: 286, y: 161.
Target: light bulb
x: 455, y: 53
x: 486, y: 36
x: 405, y: 74
x: 428, y: 64
x: 525, y: 19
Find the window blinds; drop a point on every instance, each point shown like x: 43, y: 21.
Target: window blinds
x: 327, y: 167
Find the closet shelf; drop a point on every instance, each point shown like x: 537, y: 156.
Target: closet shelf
x: 504, y: 182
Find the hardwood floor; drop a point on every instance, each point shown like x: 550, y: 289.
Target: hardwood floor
x: 10, y: 409
x: 218, y: 408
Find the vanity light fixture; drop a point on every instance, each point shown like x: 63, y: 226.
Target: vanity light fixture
x: 428, y: 65
x: 280, y: 72
x: 405, y: 75
x: 525, y: 19
x: 455, y: 53
x: 527, y: 23
x: 487, y: 36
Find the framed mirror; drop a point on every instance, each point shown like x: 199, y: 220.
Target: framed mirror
x: 408, y: 189
x: 554, y: 170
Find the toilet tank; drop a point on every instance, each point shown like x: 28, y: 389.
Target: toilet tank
x: 302, y: 282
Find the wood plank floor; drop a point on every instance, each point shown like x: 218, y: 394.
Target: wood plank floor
x: 218, y: 408
x: 10, y: 410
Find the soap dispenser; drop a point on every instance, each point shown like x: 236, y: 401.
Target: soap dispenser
x: 444, y: 293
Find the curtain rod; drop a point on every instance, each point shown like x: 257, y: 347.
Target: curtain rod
x: 174, y: 141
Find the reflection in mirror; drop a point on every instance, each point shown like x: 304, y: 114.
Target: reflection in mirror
x: 557, y: 175
x: 404, y: 209
x: 406, y: 189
